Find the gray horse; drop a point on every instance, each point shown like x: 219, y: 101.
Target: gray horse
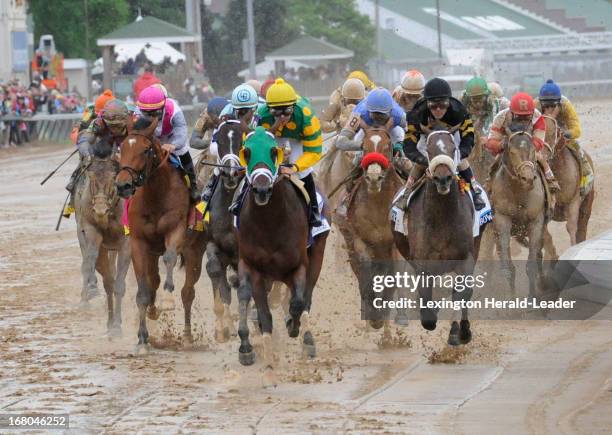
x: 103, y: 243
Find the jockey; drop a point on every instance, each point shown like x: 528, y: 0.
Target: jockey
x: 360, y: 75
x: 410, y: 90
x: 552, y: 103
x: 341, y: 104
x: 244, y: 103
x: 498, y: 93
x: 292, y: 120
x: 209, y: 120
x: 376, y: 110
x: 90, y: 113
x: 171, y: 128
x: 522, y: 112
x: 439, y: 107
x: 480, y: 104
x: 110, y: 126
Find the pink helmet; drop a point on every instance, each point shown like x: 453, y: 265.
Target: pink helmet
x: 151, y: 98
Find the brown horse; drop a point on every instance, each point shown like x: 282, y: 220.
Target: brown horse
x: 104, y: 246
x: 518, y: 198
x: 332, y: 170
x: 158, y: 214
x: 435, y: 234
x: 571, y: 207
x: 368, y: 238
x: 273, y: 243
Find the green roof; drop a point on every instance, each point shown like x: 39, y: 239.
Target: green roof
x: 396, y: 48
x: 309, y: 48
x: 148, y: 29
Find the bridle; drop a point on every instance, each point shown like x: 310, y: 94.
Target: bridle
x: 140, y: 177
x: 525, y: 163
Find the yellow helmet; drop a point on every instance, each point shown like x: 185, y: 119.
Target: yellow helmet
x: 363, y: 77
x: 280, y: 93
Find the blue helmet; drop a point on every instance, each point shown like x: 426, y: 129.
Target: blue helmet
x: 379, y: 100
x: 216, y: 105
x: 550, y: 91
x: 244, y: 96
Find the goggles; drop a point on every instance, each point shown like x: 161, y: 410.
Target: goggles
x: 438, y: 104
x: 281, y: 111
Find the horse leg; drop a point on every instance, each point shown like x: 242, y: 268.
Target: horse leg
x: 123, y: 264
x: 216, y: 272
x: 144, y: 296
x: 105, y: 268
x: 460, y: 333
x: 246, y: 356
x: 573, y: 212
x: 584, y: 215
x: 90, y: 241
x: 153, y: 280
x: 296, y: 304
x: 193, y: 254
x: 260, y: 296
x: 534, y: 268
x: 503, y: 226
x: 167, y: 300
x: 429, y: 316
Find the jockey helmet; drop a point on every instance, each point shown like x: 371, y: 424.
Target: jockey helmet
x: 437, y: 88
x: 255, y: 84
x: 280, y: 93
x: 353, y: 89
x: 265, y: 86
x: 360, y: 75
x: 496, y: 89
x: 244, y: 97
x: 522, y: 104
x: 151, y: 98
x: 476, y: 86
x: 550, y: 91
x: 163, y: 89
x: 101, y: 101
x: 413, y: 82
x: 216, y: 105
x: 379, y: 100
x: 115, y: 112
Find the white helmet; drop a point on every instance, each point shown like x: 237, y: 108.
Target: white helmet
x: 353, y: 89
x: 413, y: 82
x: 255, y: 84
x: 496, y: 89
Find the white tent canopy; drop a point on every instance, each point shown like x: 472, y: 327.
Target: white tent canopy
x: 262, y: 69
x: 156, y: 52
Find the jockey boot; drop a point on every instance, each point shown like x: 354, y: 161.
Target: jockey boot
x: 586, y: 170
x: 187, y: 164
x: 73, y: 179
x: 553, y: 185
x: 210, y: 187
x: 468, y: 177
x: 314, y: 215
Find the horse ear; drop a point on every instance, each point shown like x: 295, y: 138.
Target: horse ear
x: 151, y: 128
x: 130, y: 123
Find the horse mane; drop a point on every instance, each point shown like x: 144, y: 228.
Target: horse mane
x: 142, y: 123
x: 102, y: 148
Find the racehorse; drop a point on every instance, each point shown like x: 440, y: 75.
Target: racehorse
x: 571, y: 206
x: 519, y: 199
x: 104, y: 246
x: 157, y: 214
x: 333, y: 169
x: 368, y: 238
x: 435, y: 233
x: 480, y: 159
x: 222, y: 246
x: 273, y: 238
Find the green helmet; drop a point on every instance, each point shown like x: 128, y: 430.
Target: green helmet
x: 476, y: 86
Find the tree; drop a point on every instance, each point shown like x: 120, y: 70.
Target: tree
x: 172, y: 11
x: 336, y: 20
x: 66, y: 21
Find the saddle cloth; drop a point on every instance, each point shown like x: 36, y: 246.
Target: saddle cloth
x: 481, y: 217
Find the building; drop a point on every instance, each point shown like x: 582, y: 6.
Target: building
x: 15, y: 40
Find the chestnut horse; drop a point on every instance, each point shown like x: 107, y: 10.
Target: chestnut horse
x: 157, y: 214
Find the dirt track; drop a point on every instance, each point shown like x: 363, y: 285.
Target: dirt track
x: 536, y: 377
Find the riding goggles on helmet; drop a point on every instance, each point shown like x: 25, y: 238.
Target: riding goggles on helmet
x: 281, y: 111
x: 550, y: 104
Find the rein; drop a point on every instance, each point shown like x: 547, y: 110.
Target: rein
x: 139, y: 177
x: 525, y: 163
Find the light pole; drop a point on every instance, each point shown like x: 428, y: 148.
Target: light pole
x: 251, y: 37
x: 439, y: 29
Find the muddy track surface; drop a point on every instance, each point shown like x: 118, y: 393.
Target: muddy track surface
x: 515, y: 377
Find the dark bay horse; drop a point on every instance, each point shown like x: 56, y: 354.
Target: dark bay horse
x: 104, y: 246
x: 437, y: 238
x: 158, y: 214
x: 222, y: 245
x: 518, y: 197
x: 273, y: 245
x: 365, y: 229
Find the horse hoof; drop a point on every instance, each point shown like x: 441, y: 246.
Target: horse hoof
x: 401, y: 321
x: 453, y: 335
x: 269, y: 378
x: 309, y: 351
x: 465, y: 333
x: 167, y: 302
x: 246, y: 358
x: 153, y: 312
x: 292, y: 328
x: 92, y: 293
x: 222, y: 335
x: 142, y: 349
x: 114, y: 332
x: 430, y: 325
x: 376, y: 324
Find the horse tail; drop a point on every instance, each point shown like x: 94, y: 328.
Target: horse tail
x: 584, y: 214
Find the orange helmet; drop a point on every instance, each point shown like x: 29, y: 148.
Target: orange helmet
x: 101, y: 101
x: 522, y: 104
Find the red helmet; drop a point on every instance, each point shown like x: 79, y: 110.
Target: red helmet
x: 522, y: 104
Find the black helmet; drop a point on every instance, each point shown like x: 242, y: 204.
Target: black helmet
x: 437, y: 88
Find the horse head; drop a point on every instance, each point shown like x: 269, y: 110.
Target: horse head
x: 229, y: 140
x: 377, y: 153
x: 101, y: 175
x: 554, y: 137
x: 442, y: 153
x: 519, y: 157
x: 139, y: 151
x: 262, y: 159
